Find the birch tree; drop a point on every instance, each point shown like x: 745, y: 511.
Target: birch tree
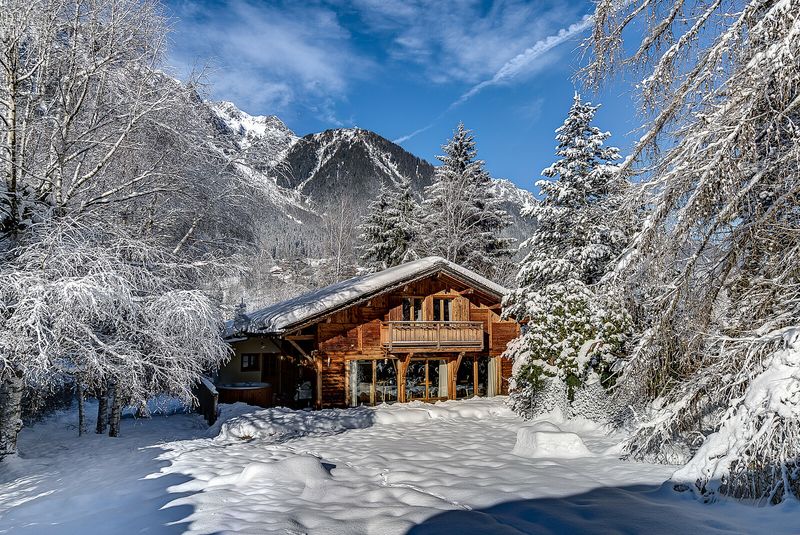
x: 93, y: 134
x: 715, y: 271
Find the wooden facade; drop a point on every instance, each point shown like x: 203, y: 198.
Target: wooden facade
x: 438, y: 337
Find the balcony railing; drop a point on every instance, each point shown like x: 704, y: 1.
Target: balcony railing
x: 433, y: 335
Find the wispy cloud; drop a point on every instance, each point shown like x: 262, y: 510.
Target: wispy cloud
x: 266, y: 57
x: 461, y: 40
x: 526, y: 60
x: 522, y: 63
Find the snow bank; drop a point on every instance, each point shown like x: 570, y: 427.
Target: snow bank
x: 305, y: 469
x: 414, y: 412
x: 280, y: 423
x: 545, y: 439
x: 754, y: 425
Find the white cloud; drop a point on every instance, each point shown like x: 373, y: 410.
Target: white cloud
x: 268, y: 58
x: 527, y: 59
x: 462, y: 40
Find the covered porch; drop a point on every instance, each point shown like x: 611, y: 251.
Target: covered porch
x: 427, y: 377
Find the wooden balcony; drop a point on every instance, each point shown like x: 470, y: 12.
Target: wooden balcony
x: 433, y: 335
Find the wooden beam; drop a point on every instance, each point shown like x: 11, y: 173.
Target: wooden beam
x: 300, y: 350
x: 299, y: 337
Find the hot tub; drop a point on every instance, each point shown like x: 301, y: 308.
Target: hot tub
x: 259, y: 394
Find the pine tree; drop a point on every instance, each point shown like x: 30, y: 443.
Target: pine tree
x: 573, y: 331
x: 462, y: 217
x: 388, y: 232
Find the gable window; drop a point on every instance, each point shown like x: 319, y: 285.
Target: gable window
x: 441, y: 309
x: 251, y: 362
x: 412, y: 309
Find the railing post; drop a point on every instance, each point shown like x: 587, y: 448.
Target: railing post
x: 438, y: 336
x: 391, y: 336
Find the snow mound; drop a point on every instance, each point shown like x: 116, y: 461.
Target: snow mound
x: 416, y: 411
x: 305, y: 469
x: 535, y: 443
x: 279, y: 423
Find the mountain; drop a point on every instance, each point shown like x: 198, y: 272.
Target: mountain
x: 302, y: 176
x: 263, y: 140
x: 355, y: 162
x: 349, y: 161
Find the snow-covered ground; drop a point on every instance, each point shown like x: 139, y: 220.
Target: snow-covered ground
x: 406, y: 468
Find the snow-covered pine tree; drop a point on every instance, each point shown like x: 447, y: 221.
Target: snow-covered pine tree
x: 462, y: 217
x: 573, y: 330
x: 389, y: 229
x: 718, y: 260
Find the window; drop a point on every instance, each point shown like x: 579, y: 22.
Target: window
x: 251, y: 362
x: 426, y: 379
x: 373, y: 381
x: 412, y: 309
x: 476, y: 376
x: 441, y: 309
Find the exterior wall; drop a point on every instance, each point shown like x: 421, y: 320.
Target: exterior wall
x: 232, y: 371
x: 354, y: 334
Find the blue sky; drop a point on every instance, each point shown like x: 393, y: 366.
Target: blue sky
x: 408, y: 70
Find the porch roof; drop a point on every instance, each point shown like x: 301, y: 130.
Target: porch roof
x: 303, y: 309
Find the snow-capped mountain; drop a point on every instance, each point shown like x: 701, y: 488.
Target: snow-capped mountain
x: 301, y: 176
x: 349, y: 161
x: 264, y: 139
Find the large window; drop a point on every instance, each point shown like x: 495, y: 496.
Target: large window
x: 426, y: 379
x: 441, y: 309
x: 373, y: 381
x: 412, y: 309
x: 476, y: 376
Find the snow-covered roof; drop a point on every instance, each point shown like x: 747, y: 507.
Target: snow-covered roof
x: 277, y: 318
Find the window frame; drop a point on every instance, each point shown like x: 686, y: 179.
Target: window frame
x: 255, y: 367
x: 448, y: 308
x: 412, y: 301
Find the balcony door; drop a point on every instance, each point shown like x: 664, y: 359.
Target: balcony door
x: 426, y: 379
x: 442, y: 309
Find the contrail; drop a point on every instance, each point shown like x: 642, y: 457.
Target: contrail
x: 513, y: 67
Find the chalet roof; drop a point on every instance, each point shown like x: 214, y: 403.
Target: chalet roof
x: 292, y: 313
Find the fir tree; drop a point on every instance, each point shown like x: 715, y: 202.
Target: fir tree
x: 462, y: 216
x: 573, y: 332
x: 389, y: 229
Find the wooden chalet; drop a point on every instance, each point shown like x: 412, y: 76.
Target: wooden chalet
x: 426, y: 330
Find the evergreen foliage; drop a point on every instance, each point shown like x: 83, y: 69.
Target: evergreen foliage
x: 573, y: 329
x: 462, y: 217
x: 389, y: 229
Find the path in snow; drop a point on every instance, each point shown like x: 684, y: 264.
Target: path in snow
x: 410, y: 468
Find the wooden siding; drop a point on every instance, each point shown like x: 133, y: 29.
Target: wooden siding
x: 355, y: 334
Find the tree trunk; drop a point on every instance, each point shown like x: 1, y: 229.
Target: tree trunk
x: 116, y: 413
x: 81, y: 409
x: 102, y: 413
x: 10, y: 412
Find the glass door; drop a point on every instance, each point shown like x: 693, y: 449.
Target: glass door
x: 427, y: 379
x: 416, y: 380
x: 373, y: 381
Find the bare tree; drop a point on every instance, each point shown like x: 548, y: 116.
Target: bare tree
x: 95, y: 138
x: 340, y: 226
x: 714, y: 275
